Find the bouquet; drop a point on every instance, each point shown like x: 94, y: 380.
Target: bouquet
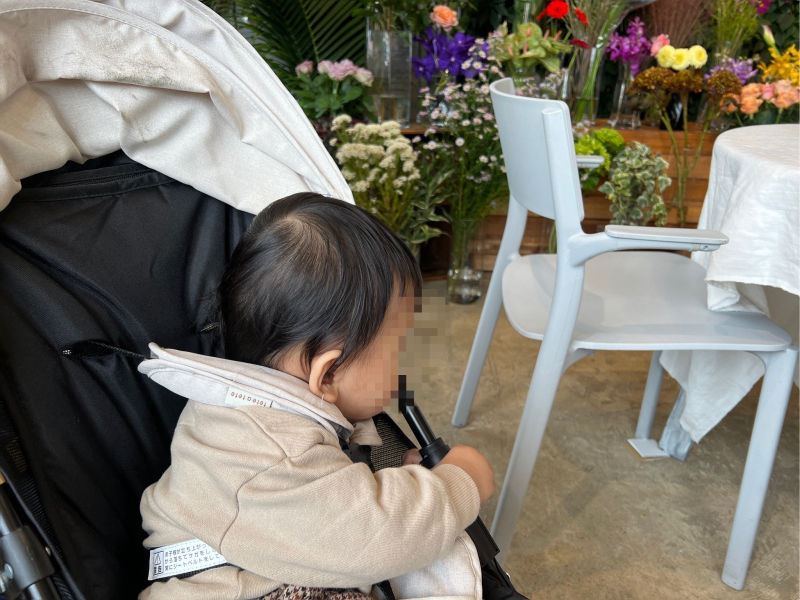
x: 466, y: 143
x: 379, y: 164
x: 679, y: 72
x: 338, y: 88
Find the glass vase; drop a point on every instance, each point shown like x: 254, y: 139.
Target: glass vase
x: 622, y: 115
x: 526, y: 11
x: 464, y: 277
x: 584, y: 84
x: 676, y: 194
x: 389, y: 59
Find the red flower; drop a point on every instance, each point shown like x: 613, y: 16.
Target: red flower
x: 579, y: 43
x: 541, y: 14
x: 557, y: 9
x: 581, y: 16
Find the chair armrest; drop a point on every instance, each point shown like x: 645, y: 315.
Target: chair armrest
x: 589, y: 161
x: 668, y: 234
x: 625, y: 237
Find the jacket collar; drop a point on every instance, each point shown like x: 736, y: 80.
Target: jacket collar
x: 228, y: 383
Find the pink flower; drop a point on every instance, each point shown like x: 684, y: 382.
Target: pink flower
x: 658, y: 43
x: 488, y: 116
x: 304, y: 67
x: 324, y: 67
x: 767, y: 91
x: 445, y: 17
x: 363, y: 76
x: 340, y: 70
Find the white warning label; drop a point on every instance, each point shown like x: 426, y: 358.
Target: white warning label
x: 185, y: 557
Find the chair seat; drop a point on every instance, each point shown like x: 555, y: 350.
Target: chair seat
x: 636, y: 301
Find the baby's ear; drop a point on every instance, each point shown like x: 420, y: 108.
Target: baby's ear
x: 319, y: 381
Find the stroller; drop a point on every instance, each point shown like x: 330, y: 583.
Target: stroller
x: 137, y: 140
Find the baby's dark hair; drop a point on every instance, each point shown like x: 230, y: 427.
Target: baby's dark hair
x: 312, y: 273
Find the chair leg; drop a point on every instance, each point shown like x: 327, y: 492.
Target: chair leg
x: 509, y: 247
x: 772, y: 403
x: 652, y: 390
x: 542, y: 391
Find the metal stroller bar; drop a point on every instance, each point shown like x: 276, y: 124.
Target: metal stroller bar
x: 26, y: 563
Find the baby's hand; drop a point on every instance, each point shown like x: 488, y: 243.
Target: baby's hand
x: 412, y: 457
x: 476, y: 466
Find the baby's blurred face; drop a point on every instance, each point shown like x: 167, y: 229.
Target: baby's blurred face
x: 365, y: 387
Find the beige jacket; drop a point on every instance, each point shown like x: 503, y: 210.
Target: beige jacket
x: 266, y: 484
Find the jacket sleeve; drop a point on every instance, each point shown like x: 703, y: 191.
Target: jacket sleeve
x: 347, y: 526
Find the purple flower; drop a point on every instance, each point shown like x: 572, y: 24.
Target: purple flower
x: 742, y: 68
x: 443, y: 54
x: 762, y: 6
x: 630, y: 48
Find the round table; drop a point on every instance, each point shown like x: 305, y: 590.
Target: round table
x: 754, y: 198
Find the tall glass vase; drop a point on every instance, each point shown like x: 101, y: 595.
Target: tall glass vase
x: 526, y: 11
x: 584, y: 84
x: 389, y: 59
x: 622, y: 115
x: 465, y: 275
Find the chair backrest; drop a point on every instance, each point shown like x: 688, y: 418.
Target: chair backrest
x: 536, y: 162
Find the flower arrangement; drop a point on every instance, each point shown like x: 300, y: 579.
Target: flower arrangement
x: 379, y: 164
x: 632, y: 48
x: 522, y: 51
x: 599, y: 19
x: 783, y: 66
x: 338, y: 88
x: 679, y: 72
x: 445, y: 56
x: 735, y: 22
x: 761, y: 103
x: 635, y: 184
x: 409, y: 14
x: 466, y: 138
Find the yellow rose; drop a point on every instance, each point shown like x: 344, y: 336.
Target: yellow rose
x: 697, y: 56
x: 681, y: 59
x: 666, y: 56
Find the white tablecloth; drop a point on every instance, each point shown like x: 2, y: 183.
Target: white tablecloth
x: 754, y: 198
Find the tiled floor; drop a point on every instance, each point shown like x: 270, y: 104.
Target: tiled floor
x: 597, y: 522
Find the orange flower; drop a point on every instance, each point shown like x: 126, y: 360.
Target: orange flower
x: 751, y: 90
x: 782, y: 87
x: 750, y: 104
x: 729, y: 103
x: 445, y: 17
x: 786, y: 99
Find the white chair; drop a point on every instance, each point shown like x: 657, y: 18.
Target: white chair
x: 589, y: 297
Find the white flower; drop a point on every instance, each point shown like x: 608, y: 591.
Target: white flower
x: 467, y: 87
x: 372, y: 175
x: 359, y: 186
x: 429, y: 131
x: 483, y: 159
x: 455, y: 115
x: 466, y: 64
x: 387, y: 162
x: 477, y: 121
x: 493, y: 158
x: 503, y: 168
x: 348, y: 174
x: 431, y: 145
x: 408, y: 166
x: 465, y: 123
x: 460, y: 142
x: 478, y: 65
x: 416, y: 139
x: 383, y: 178
x: 341, y: 121
x: 399, y: 182
x: 435, y: 114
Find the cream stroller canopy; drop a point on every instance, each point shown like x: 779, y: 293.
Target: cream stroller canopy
x: 167, y: 81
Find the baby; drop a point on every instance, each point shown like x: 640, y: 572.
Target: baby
x: 260, y: 500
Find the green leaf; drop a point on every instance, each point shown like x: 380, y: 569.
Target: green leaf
x: 351, y: 94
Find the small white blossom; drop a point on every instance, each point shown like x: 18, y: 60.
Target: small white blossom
x: 483, y: 159
x: 416, y: 139
x: 460, y: 142
x: 359, y: 186
x: 493, y: 158
x: 465, y: 123
x: 477, y: 121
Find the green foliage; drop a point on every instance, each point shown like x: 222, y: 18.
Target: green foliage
x: 635, y: 183
x: 603, y: 142
x: 288, y: 32
x: 320, y: 96
x: 411, y: 15
x: 527, y: 48
x: 783, y: 17
x: 735, y: 22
